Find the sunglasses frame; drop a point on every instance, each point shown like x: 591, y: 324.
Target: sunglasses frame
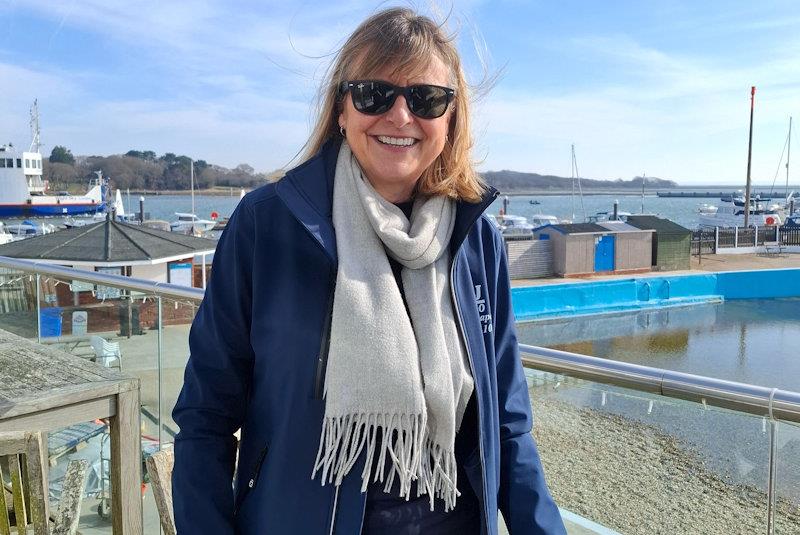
x: 346, y: 86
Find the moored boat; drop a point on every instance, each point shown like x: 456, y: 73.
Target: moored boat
x: 191, y: 224
x: 24, y: 193
x: 731, y: 212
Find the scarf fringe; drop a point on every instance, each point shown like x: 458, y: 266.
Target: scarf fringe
x: 405, y: 445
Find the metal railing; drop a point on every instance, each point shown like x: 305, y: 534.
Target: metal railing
x: 152, y: 289
x: 772, y: 403
x: 750, y: 399
x: 163, y: 289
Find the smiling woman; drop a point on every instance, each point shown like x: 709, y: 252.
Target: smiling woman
x: 400, y: 139
x: 358, y: 327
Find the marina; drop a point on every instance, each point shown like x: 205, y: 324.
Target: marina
x: 647, y: 303
x: 765, y: 194
x: 627, y: 280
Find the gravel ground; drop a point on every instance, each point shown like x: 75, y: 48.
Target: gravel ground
x: 634, y: 478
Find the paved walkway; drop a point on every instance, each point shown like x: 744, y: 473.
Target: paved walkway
x: 705, y: 264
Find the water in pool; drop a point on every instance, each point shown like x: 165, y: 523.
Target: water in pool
x: 754, y: 341
x: 749, y: 341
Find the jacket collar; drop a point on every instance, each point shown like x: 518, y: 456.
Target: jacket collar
x: 307, y: 190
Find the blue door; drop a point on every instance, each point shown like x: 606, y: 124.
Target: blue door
x: 604, y: 254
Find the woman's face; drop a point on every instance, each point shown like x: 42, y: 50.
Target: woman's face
x: 393, y: 170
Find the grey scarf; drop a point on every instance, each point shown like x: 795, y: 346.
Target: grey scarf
x: 405, y: 379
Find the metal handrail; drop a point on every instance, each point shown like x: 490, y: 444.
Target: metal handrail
x: 751, y: 399
x: 162, y: 289
x: 773, y: 403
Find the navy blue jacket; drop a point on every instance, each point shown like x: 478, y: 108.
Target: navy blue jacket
x: 258, y: 362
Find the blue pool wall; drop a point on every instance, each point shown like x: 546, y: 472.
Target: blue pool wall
x: 617, y: 295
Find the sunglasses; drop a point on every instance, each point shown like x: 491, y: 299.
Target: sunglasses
x: 374, y: 97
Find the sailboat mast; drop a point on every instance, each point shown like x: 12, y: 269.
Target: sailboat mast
x: 749, y: 159
x: 578, y: 177
x: 644, y: 178
x: 788, y: 153
x: 572, y: 172
x: 191, y: 172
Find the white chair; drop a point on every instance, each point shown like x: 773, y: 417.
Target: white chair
x: 107, y: 353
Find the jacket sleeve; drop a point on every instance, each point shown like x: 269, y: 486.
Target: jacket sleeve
x: 524, y: 499
x: 211, y: 405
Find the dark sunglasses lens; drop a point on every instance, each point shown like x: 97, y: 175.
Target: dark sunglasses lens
x: 428, y: 101
x: 373, y: 97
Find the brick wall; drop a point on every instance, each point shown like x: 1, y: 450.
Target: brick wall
x: 105, y: 316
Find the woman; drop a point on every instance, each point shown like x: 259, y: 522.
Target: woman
x: 358, y: 327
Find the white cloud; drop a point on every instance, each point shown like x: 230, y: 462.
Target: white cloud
x: 668, y: 115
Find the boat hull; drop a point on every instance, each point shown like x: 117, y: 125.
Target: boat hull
x: 43, y: 210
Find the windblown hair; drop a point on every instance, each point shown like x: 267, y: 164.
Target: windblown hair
x: 404, y: 40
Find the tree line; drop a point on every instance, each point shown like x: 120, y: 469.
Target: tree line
x: 145, y: 170
x: 514, y: 182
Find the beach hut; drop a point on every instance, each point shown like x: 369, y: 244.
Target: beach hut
x: 582, y: 249
x: 671, y: 243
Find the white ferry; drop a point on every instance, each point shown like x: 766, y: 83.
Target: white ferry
x: 23, y: 192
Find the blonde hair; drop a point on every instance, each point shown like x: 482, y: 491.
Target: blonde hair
x: 401, y: 38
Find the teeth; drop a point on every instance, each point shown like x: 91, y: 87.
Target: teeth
x: 399, y: 141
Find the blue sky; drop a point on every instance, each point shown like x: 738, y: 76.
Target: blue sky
x: 660, y: 87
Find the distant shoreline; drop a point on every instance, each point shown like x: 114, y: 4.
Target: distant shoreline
x: 649, y: 192
x: 215, y: 192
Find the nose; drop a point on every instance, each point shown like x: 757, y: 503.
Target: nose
x: 399, y: 115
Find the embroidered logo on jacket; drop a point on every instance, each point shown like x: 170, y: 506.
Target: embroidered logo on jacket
x: 483, y: 310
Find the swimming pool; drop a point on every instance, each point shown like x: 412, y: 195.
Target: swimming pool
x: 751, y: 341
x: 652, y: 292
x: 754, y: 341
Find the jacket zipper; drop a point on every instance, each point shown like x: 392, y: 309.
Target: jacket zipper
x: 322, y: 357
x: 333, y: 512
x: 477, y: 390
x: 253, y: 478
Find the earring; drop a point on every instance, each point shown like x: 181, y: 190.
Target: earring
x: 341, y: 131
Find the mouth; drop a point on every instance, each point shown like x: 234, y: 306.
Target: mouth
x: 400, y: 142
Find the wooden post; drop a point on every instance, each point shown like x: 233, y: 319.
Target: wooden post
x: 126, y: 466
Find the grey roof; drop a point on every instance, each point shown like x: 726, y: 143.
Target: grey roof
x: 621, y: 226
x: 579, y: 228
x: 107, y: 241
x: 660, y: 225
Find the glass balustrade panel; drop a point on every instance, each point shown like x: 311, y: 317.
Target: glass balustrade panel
x: 787, y: 479
x: 115, y: 328
x: 637, y: 463
x: 178, y: 316
x: 18, y: 302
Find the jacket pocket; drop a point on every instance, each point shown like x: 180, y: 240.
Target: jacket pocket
x: 252, y: 480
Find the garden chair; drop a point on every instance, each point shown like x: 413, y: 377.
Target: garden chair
x: 23, y: 476
x: 107, y: 353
